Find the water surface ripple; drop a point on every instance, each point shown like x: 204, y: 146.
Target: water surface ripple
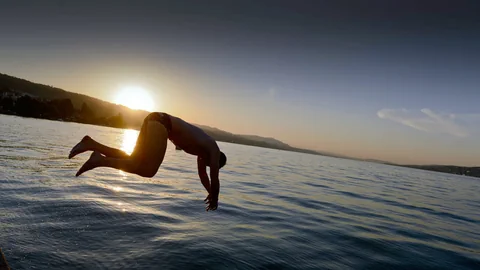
x: 278, y: 210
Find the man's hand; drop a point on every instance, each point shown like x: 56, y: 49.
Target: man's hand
x: 212, y: 203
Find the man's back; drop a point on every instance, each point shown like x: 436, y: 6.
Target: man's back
x: 191, y: 139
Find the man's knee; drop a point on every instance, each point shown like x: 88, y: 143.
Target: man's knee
x: 146, y: 174
x: 153, y: 116
x: 147, y: 171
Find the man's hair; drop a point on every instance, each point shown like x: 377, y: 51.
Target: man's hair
x: 223, y: 159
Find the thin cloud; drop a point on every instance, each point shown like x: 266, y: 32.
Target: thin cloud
x: 429, y: 121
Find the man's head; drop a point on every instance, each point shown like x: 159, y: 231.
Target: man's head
x: 223, y: 159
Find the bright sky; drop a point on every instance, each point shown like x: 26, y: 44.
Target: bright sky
x: 396, y: 82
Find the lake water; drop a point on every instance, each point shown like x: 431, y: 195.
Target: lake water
x: 277, y: 210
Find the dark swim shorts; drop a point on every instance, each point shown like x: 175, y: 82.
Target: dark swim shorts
x: 162, y: 118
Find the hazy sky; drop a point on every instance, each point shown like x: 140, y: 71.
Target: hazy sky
x: 391, y: 80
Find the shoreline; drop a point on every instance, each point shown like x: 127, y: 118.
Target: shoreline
x: 447, y: 169
x: 293, y: 149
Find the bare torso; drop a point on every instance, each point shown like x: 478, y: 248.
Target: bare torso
x: 195, y: 141
x: 192, y: 139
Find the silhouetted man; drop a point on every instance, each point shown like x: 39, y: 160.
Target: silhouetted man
x: 150, y: 149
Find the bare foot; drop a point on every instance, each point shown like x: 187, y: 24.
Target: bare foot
x: 91, y: 163
x: 82, y: 146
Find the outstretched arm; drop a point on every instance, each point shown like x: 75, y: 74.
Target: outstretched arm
x: 215, y: 182
x: 202, y: 173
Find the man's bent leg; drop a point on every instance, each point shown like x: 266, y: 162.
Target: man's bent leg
x: 89, y: 144
x: 146, y: 158
x: 97, y: 160
x: 151, y: 147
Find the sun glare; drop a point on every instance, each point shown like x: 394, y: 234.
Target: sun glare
x: 129, y: 140
x: 135, y: 98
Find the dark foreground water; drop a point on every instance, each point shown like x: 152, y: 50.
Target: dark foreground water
x: 278, y: 210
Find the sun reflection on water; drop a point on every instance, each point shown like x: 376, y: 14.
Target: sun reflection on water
x: 128, y: 144
x: 129, y: 140
x: 116, y: 188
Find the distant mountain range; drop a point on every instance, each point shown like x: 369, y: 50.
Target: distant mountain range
x: 271, y: 141
x: 132, y: 118
x: 91, y: 110
x: 19, y: 97
x: 254, y: 140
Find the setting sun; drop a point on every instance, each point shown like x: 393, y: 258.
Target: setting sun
x: 135, y: 98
